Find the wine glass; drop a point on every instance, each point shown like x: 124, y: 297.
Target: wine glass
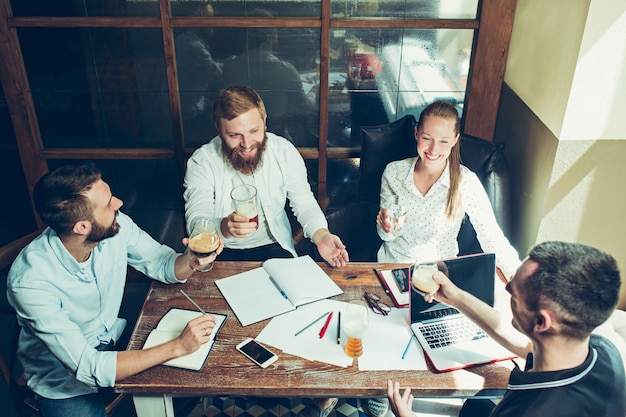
x: 354, y: 324
x: 204, y: 240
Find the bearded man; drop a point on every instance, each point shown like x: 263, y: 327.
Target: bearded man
x: 245, y: 153
x: 67, y: 287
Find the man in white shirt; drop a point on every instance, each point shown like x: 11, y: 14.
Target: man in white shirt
x: 245, y: 153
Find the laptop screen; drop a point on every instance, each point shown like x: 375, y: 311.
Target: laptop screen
x: 472, y: 273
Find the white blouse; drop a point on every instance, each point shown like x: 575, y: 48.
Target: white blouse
x: 429, y: 234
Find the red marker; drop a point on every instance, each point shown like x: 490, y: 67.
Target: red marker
x: 323, y: 331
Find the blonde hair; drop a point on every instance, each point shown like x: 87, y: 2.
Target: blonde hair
x: 448, y: 111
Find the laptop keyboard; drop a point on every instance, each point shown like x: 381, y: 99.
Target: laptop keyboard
x: 451, y: 332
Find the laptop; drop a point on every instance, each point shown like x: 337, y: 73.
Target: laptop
x: 449, y: 339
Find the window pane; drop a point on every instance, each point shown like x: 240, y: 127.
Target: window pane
x: 279, y: 64
x: 17, y: 215
x: 432, y: 9
x: 151, y: 191
x: 98, y: 87
x: 84, y: 8
x: 381, y: 75
x: 276, y: 8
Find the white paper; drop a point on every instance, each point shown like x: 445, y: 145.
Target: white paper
x: 383, y: 345
x: 385, y: 342
x: 280, y: 333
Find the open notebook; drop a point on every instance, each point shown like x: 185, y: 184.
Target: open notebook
x: 171, y: 326
x: 449, y: 339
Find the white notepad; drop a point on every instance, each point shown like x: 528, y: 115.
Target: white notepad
x: 171, y: 326
x: 279, y: 286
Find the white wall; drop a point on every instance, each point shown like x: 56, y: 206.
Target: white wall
x: 566, y: 63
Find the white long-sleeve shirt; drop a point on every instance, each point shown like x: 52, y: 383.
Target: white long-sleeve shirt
x: 428, y: 233
x: 281, y: 175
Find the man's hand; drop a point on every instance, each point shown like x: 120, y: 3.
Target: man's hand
x: 196, y: 333
x: 236, y: 225
x: 331, y: 248
x: 448, y: 292
x: 401, y: 404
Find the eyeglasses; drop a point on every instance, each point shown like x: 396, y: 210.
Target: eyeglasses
x: 375, y: 304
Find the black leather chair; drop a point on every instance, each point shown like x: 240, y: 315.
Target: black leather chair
x: 356, y: 224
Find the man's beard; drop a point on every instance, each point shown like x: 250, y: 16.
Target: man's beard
x: 244, y: 165
x: 99, y: 233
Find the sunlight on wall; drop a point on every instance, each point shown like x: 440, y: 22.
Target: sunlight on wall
x: 600, y: 78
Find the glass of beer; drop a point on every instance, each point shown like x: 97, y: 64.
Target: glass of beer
x: 422, y: 278
x: 204, y: 240
x: 244, y: 197
x: 354, y: 323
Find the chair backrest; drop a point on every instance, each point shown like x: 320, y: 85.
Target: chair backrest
x: 394, y: 141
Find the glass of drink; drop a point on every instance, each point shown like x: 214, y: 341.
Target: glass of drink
x: 422, y: 278
x: 397, y: 216
x: 204, y: 240
x: 354, y: 323
x: 244, y: 197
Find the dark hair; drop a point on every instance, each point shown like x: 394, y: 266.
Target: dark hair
x: 259, y: 36
x: 59, y: 196
x: 235, y: 101
x: 448, y: 111
x: 579, y: 283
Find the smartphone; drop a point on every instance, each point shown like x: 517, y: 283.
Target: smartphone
x: 257, y: 353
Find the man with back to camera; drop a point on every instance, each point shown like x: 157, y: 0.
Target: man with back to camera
x: 67, y: 287
x: 245, y: 153
x: 559, y: 295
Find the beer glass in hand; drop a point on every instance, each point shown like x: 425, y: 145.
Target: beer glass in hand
x: 422, y: 278
x: 204, y: 240
x: 354, y: 322
x: 244, y: 197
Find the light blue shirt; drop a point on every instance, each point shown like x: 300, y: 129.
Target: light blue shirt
x: 281, y: 175
x: 66, y: 309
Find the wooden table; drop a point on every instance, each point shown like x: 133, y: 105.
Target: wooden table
x: 228, y: 372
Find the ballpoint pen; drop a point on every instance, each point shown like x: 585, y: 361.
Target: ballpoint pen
x: 323, y: 331
x: 278, y: 288
x: 339, y: 327
x: 406, y: 349
x: 192, y: 302
x: 312, y: 323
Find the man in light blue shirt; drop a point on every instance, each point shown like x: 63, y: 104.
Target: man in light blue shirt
x: 67, y: 287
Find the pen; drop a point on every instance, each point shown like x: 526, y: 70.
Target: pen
x: 406, y: 349
x: 323, y: 331
x: 278, y: 288
x: 312, y: 323
x: 192, y: 302
x: 339, y: 327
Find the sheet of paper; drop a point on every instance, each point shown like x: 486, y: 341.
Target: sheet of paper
x: 280, y: 333
x: 252, y: 296
x: 385, y: 342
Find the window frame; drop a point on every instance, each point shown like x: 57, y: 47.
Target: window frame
x: 493, y: 27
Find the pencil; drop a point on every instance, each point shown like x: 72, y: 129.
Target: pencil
x: 312, y: 323
x: 192, y: 302
x: 339, y: 327
x: 406, y: 349
x: 323, y: 331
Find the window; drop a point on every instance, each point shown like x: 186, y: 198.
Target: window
x: 134, y: 79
